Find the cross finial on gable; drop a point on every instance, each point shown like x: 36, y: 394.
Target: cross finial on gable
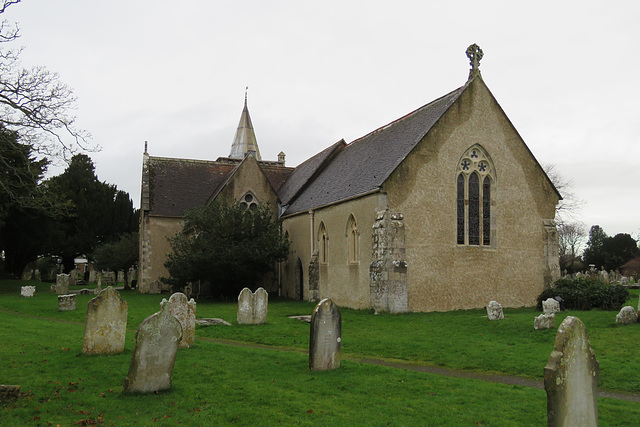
x: 475, y: 54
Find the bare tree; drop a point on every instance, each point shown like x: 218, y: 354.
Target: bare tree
x: 34, y: 102
x: 570, y: 238
x: 569, y: 207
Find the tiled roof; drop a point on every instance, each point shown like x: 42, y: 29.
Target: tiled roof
x: 364, y: 164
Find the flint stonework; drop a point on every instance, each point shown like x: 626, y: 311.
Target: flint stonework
x: 544, y: 321
x: 494, y: 311
x: 105, y: 323
x: 154, y: 355
x: 627, y: 316
x: 66, y: 302
x: 62, y: 284
x: 27, y: 291
x: 326, y: 336
x: 571, y: 378
x: 550, y: 306
x: 185, y: 312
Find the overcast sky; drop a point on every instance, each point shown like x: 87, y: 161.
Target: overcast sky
x: 174, y: 73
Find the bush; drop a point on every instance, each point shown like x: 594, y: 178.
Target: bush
x: 585, y: 293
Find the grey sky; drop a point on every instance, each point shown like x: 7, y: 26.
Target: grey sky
x: 174, y: 74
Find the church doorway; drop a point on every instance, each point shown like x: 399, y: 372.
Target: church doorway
x: 299, y: 280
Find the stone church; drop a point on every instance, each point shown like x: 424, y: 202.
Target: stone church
x: 444, y: 208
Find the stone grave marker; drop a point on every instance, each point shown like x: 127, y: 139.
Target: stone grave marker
x: 544, y: 321
x: 627, y: 316
x: 326, y: 336
x: 185, y: 312
x: 66, y: 302
x: 154, y: 355
x: 62, y: 284
x: 121, y: 278
x: 154, y: 287
x: 27, y: 291
x: 494, y: 311
x: 571, y: 378
x: 550, y: 306
x: 252, y: 307
x: 105, y: 324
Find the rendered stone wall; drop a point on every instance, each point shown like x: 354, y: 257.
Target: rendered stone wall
x: 154, y: 248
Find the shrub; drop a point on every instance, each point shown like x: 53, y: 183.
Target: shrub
x: 585, y: 293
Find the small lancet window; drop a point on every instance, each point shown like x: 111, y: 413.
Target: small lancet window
x: 352, y: 240
x: 475, y: 180
x: 323, y: 240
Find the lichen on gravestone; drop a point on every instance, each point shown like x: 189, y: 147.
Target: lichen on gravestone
x: 325, y: 336
x: 105, y: 324
x: 185, y: 312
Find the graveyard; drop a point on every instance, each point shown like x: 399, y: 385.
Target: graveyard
x: 259, y: 374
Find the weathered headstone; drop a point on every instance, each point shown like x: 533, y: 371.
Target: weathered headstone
x: 92, y: 276
x: 62, y: 284
x: 624, y: 281
x: 326, y: 336
x: 185, y: 312
x: 154, y: 355
x: 252, y: 307
x: 544, y: 321
x: 627, y: 316
x: 66, y: 302
x: 494, y: 311
x: 121, y: 278
x: 571, y: 378
x: 105, y: 324
x: 550, y: 306
x: 27, y: 291
x: 154, y: 287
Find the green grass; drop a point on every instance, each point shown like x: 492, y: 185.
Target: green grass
x: 222, y: 384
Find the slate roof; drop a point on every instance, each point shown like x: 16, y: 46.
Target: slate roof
x: 363, y: 165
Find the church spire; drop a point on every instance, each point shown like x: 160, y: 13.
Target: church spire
x: 245, y: 140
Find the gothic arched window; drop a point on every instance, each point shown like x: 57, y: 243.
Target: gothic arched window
x: 352, y: 239
x: 475, y: 179
x: 323, y: 244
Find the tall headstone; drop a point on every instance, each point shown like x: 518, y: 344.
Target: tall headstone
x: 105, y: 324
x: 66, y: 302
x: 185, y: 312
x: 326, y: 336
x: 27, y: 291
x: 121, y: 278
x: 252, y: 307
x: 571, y: 378
x: 62, y: 284
x: 154, y: 355
x: 494, y: 311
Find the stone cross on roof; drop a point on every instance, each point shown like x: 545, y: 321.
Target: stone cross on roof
x: 475, y: 54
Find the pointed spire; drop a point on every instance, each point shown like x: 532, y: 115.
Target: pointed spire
x: 245, y: 142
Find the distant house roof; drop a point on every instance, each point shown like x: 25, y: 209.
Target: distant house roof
x: 363, y: 165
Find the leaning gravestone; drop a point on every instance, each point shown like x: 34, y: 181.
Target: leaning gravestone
x: 105, y: 324
x: 27, y: 291
x: 571, y: 378
x: 185, y: 312
x: 66, y: 302
x: 62, y: 284
x: 326, y: 336
x: 544, y: 321
x: 494, y: 311
x: 252, y: 307
x: 550, y: 306
x: 627, y: 316
x: 154, y: 355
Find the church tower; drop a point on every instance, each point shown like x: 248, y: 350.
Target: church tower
x: 245, y: 140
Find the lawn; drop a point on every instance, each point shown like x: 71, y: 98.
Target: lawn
x: 217, y: 383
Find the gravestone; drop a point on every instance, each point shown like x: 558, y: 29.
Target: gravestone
x: 27, y: 291
x: 550, y: 306
x: 154, y: 287
x: 66, y: 302
x: 624, y: 281
x: 121, y: 278
x: 544, y: 321
x: 105, y: 324
x: 92, y: 276
x: 494, y: 311
x: 627, y: 316
x: 326, y: 336
x: 252, y: 307
x: 185, y: 312
x: 571, y: 378
x: 62, y: 284
x: 154, y: 354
